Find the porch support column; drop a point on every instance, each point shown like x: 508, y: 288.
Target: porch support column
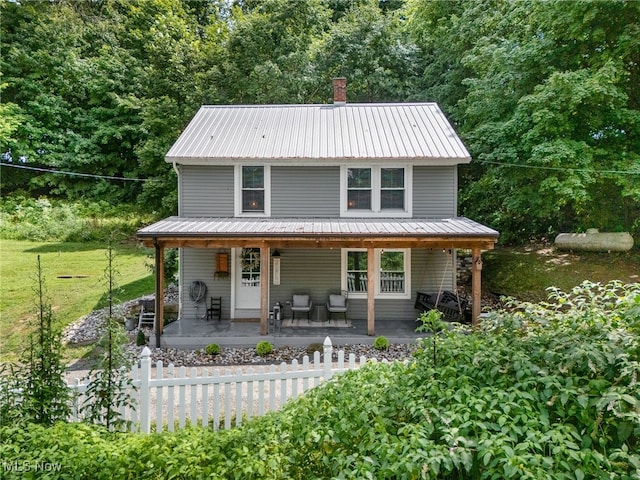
x: 159, y: 304
x: 371, y: 293
x: 264, y: 290
x: 476, y: 284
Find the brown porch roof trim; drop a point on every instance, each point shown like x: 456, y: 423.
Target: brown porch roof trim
x: 189, y: 231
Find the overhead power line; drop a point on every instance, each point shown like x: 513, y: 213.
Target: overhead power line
x: 73, y: 174
x: 563, y: 169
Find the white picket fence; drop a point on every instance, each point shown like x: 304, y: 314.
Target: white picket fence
x: 175, y: 397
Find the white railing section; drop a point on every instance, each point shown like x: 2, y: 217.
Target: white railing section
x: 175, y: 397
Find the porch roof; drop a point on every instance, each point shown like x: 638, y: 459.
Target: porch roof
x: 456, y: 232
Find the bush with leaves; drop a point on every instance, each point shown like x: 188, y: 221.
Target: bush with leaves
x: 545, y: 391
x: 381, y: 343
x: 141, y: 338
x: 264, y: 348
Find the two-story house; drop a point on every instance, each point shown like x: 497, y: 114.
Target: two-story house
x: 276, y: 200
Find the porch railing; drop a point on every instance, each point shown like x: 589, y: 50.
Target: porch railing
x: 389, y: 282
x: 175, y: 397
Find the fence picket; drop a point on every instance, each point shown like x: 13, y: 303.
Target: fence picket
x: 182, y: 373
x: 215, y: 398
x: 170, y: 397
x: 227, y: 403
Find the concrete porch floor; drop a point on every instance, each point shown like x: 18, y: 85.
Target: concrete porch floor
x: 197, y: 333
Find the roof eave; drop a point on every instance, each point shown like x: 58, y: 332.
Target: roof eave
x: 423, y: 161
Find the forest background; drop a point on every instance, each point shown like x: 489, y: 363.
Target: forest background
x: 546, y: 95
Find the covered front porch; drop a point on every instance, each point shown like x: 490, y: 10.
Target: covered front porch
x: 269, y: 234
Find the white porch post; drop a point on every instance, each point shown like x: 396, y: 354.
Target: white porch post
x: 371, y: 293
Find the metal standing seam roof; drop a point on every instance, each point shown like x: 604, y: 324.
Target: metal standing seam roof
x: 407, y: 131
x: 344, y: 227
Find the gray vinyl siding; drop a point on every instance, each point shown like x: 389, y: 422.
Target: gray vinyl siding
x: 435, y: 192
x: 298, y: 191
x: 312, y: 271
x: 317, y: 273
x: 206, y: 191
x: 199, y: 264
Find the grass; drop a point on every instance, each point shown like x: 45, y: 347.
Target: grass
x: 74, y: 279
x: 525, y: 272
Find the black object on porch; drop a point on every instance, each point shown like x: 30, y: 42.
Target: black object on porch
x: 215, y: 308
x: 452, y: 307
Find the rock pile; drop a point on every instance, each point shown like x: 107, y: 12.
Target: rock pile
x: 248, y: 356
x: 90, y: 328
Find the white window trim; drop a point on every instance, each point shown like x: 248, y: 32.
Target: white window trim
x: 376, y: 268
x: 238, y: 191
x: 375, y: 192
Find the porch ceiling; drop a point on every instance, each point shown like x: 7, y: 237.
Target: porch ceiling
x: 272, y: 232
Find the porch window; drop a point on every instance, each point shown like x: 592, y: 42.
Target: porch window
x: 357, y: 270
x: 391, y: 270
x: 253, y: 190
x: 392, y: 274
x: 376, y: 191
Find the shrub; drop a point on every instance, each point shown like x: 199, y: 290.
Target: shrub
x: 43, y: 219
x: 315, y: 347
x: 212, y: 349
x: 381, y: 343
x: 141, y: 338
x: 264, y: 348
x: 542, y: 391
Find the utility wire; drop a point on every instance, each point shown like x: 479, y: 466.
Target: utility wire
x: 73, y: 174
x: 582, y: 170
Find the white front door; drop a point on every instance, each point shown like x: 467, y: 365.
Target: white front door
x: 247, y: 282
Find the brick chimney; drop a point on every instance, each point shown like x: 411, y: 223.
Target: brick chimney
x: 340, y: 91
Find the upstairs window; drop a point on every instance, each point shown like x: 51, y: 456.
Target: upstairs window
x: 359, y: 189
x: 376, y: 191
x: 392, y: 189
x: 252, y: 187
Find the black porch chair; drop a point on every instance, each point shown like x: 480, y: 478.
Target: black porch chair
x: 215, y: 308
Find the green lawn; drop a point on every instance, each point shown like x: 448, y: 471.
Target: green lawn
x: 71, y: 297
x: 526, y: 272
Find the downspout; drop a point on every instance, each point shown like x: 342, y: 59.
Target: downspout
x: 177, y: 170
x: 180, y: 282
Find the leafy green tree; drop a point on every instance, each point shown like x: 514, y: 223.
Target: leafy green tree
x: 110, y: 383
x: 369, y: 48
x: 35, y: 390
x: 266, y: 59
x: 541, y: 93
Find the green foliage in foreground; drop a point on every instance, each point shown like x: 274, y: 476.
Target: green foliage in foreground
x: 548, y: 391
